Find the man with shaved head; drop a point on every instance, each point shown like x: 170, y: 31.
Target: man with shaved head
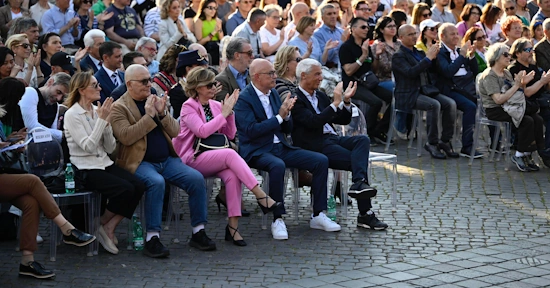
x: 145, y: 130
x: 262, y: 122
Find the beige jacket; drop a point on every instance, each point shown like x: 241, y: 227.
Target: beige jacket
x: 131, y: 129
x: 89, y: 140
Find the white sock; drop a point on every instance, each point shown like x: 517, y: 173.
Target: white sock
x: 151, y: 235
x: 198, y: 228
x: 519, y: 154
x: 370, y: 212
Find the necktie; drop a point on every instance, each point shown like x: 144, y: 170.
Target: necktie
x: 114, y: 79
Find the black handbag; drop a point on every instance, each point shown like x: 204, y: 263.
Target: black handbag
x: 425, y: 87
x: 368, y: 80
x: 13, y: 162
x: 212, y: 142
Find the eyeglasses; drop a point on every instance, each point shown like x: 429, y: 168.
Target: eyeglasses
x: 270, y: 73
x: 391, y: 26
x: 212, y: 7
x: 25, y: 45
x: 506, y: 54
x: 480, y: 38
x: 364, y: 9
x: 427, y: 15
x: 249, y: 53
x: 143, y: 82
x: 510, y: 8
x: 95, y: 85
x: 210, y: 85
x: 298, y: 59
x: 528, y: 49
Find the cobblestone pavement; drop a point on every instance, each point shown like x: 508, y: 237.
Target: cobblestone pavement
x: 454, y: 226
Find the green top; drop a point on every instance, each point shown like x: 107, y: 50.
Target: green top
x: 209, y: 27
x: 99, y: 7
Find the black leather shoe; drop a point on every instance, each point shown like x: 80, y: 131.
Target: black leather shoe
x: 434, y: 151
x: 155, y: 249
x: 36, y: 270
x: 200, y: 241
x: 78, y: 238
x: 448, y: 149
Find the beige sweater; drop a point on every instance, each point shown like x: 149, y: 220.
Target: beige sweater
x: 89, y: 139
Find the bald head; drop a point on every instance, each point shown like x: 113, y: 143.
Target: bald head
x: 299, y: 10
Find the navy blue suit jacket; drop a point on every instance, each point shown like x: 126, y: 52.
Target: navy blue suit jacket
x: 86, y: 64
x: 107, y: 85
x: 254, y: 129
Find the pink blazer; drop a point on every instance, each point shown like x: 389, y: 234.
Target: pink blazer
x: 193, y: 124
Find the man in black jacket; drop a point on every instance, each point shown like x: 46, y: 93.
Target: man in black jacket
x: 313, y: 116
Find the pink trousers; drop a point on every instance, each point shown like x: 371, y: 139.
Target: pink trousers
x: 231, y: 168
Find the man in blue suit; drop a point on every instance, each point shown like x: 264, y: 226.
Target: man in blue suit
x: 261, y: 121
x: 108, y: 76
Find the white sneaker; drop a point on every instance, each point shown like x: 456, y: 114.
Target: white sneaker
x: 278, y: 229
x: 322, y: 222
x: 39, y: 239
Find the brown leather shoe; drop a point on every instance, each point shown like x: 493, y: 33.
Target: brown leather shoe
x: 305, y: 178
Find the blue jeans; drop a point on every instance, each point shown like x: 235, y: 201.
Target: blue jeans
x: 468, y: 108
x: 175, y: 172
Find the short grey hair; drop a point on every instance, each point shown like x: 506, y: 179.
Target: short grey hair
x: 325, y: 7
x: 21, y: 25
x: 494, y: 52
x: 305, y: 66
x: 62, y: 79
x: 546, y: 24
x: 235, y: 45
x: 89, y: 37
x: 144, y: 40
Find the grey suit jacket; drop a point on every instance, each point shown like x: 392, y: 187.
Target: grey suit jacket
x: 5, y: 17
x: 229, y: 83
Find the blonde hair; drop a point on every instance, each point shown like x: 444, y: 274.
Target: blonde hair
x: 15, y: 40
x: 80, y: 80
x: 283, y: 56
x: 197, y: 77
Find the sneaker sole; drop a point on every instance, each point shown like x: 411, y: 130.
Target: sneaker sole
x: 468, y: 155
x: 209, y: 248
x: 324, y: 229
x: 81, y: 243
x: 161, y: 255
x: 371, y: 228
x: 362, y: 194
x: 29, y: 274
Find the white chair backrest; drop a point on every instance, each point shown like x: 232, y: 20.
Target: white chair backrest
x: 44, y: 158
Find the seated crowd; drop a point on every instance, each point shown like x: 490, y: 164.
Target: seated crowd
x: 131, y: 92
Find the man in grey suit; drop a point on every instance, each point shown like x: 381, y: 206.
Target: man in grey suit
x: 235, y: 75
x: 409, y: 66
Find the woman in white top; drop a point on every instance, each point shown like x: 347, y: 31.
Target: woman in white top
x: 28, y: 61
x: 271, y: 37
x: 90, y: 139
x: 171, y: 27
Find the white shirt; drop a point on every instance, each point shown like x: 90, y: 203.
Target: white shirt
x: 454, y: 55
x: 110, y: 73
x: 268, y: 109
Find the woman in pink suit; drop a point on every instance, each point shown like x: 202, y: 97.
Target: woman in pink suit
x: 200, y: 117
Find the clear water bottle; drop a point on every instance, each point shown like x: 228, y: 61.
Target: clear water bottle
x: 69, y: 179
x: 331, y: 208
x: 138, y: 234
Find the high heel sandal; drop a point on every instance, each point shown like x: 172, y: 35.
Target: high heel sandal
x: 229, y: 237
x: 266, y: 209
x: 220, y: 202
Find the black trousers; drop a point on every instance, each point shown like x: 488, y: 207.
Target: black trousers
x: 530, y: 130
x: 122, y: 189
x: 375, y: 98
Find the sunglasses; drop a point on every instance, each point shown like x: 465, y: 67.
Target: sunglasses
x: 143, y: 82
x: 528, y: 50
x: 480, y: 38
x: 249, y: 53
x: 427, y: 15
x: 506, y: 54
x: 25, y: 45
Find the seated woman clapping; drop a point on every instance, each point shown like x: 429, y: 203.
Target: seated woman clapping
x: 90, y: 138
x: 202, y: 116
